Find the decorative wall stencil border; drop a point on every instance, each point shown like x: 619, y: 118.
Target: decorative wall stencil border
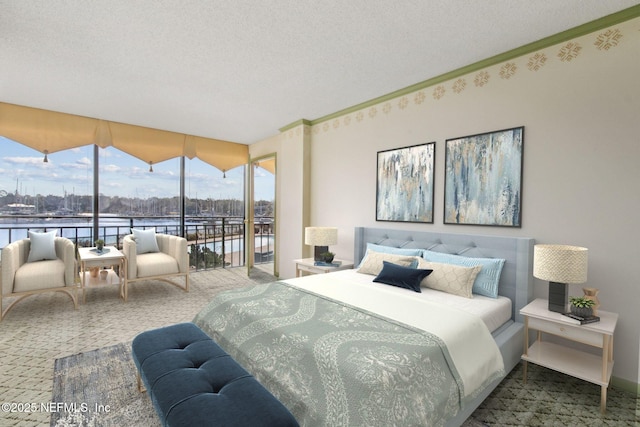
x: 537, y: 61
x: 533, y: 57
x: 608, y: 39
x: 605, y: 40
x: 459, y: 85
x: 439, y: 92
x: 569, y: 51
x: 481, y: 79
x: 508, y: 70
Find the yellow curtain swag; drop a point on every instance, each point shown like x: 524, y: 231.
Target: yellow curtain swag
x: 49, y: 131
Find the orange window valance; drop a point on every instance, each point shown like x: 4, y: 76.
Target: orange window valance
x: 49, y: 131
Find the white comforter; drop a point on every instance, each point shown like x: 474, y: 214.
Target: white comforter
x: 471, y: 347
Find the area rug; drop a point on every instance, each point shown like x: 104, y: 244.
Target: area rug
x: 98, y: 389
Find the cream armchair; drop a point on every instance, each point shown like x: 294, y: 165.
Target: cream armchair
x: 163, y: 262
x: 21, y: 278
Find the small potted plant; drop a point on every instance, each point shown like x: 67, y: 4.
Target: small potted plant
x: 582, y: 306
x: 327, y: 257
x: 99, y: 244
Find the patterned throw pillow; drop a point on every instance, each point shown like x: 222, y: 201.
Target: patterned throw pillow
x: 372, y: 262
x: 450, y: 278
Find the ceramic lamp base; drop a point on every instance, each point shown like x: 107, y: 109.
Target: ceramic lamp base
x: 558, y: 297
x: 318, y: 251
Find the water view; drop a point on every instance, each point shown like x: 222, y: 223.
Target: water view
x: 60, y: 191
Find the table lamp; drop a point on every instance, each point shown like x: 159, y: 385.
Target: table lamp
x: 560, y: 265
x: 320, y: 238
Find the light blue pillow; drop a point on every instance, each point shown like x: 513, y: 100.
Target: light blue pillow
x: 42, y: 246
x: 145, y: 240
x: 488, y: 279
x: 391, y: 250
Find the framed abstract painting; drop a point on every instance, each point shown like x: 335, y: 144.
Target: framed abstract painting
x: 404, y: 190
x: 483, y: 179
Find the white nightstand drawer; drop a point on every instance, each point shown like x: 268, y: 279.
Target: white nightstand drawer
x: 569, y: 331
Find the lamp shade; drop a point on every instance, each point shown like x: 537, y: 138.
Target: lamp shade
x: 560, y: 263
x: 320, y: 236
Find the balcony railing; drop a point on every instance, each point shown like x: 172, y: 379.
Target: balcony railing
x: 212, y: 242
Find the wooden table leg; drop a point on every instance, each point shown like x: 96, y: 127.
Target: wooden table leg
x: 607, y: 356
x: 82, y: 279
x: 526, y: 348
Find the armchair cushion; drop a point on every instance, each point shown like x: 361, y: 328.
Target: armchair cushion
x: 156, y: 264
x: 42, y: 246
x: 45, y: 274
x: 171, y: 258
x: 145, y: 240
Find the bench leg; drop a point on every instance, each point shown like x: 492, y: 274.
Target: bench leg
x: 141, y: 387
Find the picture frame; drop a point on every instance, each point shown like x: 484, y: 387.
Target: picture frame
x: 483, y: 179
x: 405, y: 184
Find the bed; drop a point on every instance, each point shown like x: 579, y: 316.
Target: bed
x: 341, y: 349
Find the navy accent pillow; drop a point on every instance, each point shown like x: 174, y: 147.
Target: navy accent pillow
x: 401, y: 276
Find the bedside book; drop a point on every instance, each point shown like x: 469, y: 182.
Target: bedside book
x: 328, y: 264
x: 580, y: 320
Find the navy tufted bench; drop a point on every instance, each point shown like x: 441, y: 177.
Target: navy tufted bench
x: 193, y: 382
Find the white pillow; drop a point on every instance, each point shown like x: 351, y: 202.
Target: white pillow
x: 373, y: 261
x: 42, y: 246
x: 449, y: 278
x: 145, y: 240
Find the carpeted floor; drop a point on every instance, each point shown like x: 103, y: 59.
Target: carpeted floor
x: 43, y: 328
x: 44, y: 331
x: 550, y: 398
x: 105, y: 380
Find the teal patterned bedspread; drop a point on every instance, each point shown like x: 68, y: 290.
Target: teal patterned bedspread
x: 333, y: 364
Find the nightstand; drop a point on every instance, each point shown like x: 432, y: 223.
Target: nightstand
x: 577, y: 363
x: 308, y: 265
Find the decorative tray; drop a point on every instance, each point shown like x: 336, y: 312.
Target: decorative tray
x: 102, y: 252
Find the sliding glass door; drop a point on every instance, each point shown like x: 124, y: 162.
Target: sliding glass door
x: 260, y: 215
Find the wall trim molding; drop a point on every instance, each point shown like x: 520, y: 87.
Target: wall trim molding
x: 581, y: 30
x: 295, y: 124
x: 626, y: 385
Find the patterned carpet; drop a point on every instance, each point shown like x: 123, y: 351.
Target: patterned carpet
x: 550, y: 398
x: 45, y: 330
x: 105, y: 378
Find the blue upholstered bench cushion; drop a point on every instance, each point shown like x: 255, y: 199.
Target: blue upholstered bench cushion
x: 193, y: 382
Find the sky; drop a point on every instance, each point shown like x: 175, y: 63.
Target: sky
x: 71, y: 171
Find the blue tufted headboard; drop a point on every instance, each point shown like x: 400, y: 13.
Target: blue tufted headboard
x: 517, y: 274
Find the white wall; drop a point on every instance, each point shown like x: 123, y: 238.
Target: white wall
x: 581, y: 151
x: 292, y: 150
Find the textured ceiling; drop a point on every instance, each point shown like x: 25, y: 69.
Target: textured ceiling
x: 239, y: 70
